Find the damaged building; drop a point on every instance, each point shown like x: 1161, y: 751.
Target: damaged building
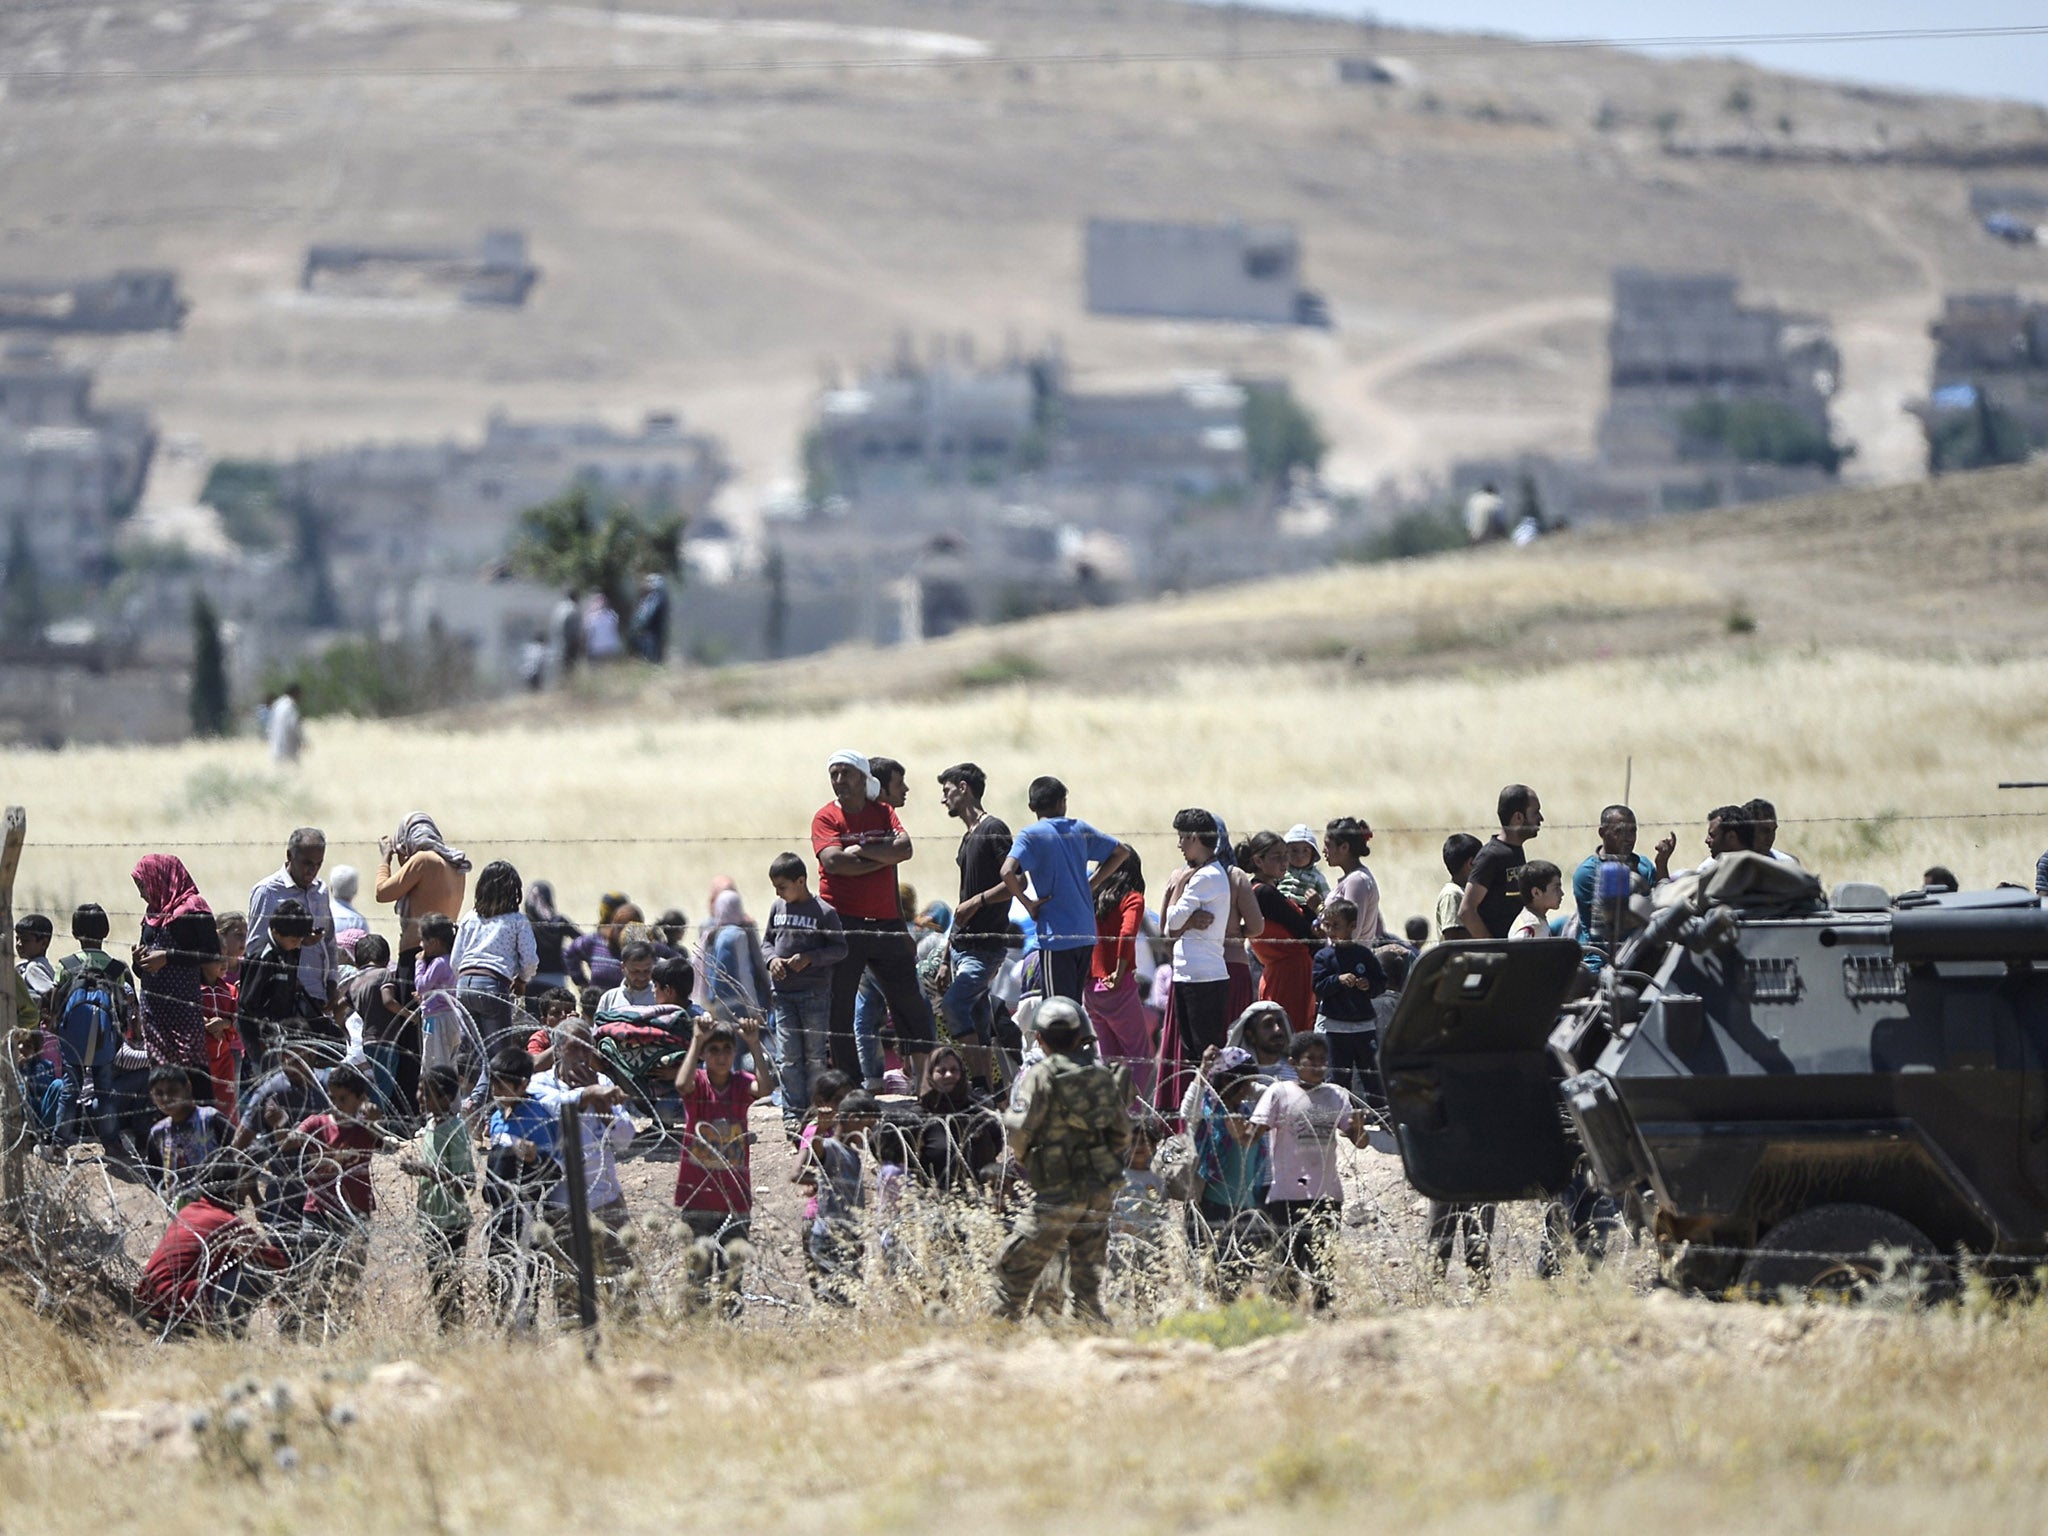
x: 1710, y: 402
x: 70, y: 469
x: 1242, y: 272
x: 497, y: 272
x: 1988, y: 401
x: 140, y: 299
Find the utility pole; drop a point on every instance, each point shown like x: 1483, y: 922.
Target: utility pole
x: 13, y: 1115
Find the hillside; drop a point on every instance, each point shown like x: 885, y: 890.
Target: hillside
x: 723, y: 207
x: 1873, y: 661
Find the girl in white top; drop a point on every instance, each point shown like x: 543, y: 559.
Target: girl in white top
x: 1542, y: 894
x: 496, y: 939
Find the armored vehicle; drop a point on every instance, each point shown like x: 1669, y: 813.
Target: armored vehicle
x: 1790, y: 1089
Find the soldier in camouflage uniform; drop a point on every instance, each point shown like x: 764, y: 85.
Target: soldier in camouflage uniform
x: 1072, y: 1135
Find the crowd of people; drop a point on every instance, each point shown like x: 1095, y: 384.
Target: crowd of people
x: 1061, y: 1042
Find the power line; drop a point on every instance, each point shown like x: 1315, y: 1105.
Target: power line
x: 802, y: 839
x: 1105, y: 58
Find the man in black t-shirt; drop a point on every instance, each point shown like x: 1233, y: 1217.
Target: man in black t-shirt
x: 1490, y: 904
x: 981, y: 920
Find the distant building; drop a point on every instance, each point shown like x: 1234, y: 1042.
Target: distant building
x: 142, y: 299
x: 1710, y: 403
x: 497, y: 272
x: 917, y: 425
x: 70, y: 469
x: 1990, y: 379
x: 1245, y: 272
x: 419, y: 531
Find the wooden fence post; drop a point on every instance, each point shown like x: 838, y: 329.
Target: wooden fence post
x: 13, y: 1116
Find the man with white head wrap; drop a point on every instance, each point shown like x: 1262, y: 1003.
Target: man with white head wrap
x: 859, y: 844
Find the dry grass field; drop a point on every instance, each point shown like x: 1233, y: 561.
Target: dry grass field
x: 1889, y: 667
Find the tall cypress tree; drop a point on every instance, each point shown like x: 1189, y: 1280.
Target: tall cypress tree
x: 21, y: 592
x: 212, y: 710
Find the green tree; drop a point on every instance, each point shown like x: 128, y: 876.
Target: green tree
x: 1280, y: 435
x: 1757, y: 432
x: 22, y: 614
x: 212, y: 709
x: 248, y: 496
x: 775, y: 623
x: 586, y: 540
x: 309, y: 559
x: 1976, y: 439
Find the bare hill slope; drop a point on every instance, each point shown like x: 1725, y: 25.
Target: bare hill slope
x: 717, y: 217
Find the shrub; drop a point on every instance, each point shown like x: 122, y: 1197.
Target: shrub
x: 1425, y: 531
x: 1000, y: 670
x: 1757, y: 432
x: 1246, y: 1319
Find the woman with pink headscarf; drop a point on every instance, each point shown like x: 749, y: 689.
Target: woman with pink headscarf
x: 729, y: 959
x: 178, y: 938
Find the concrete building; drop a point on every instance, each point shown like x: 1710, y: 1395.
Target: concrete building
x: 1680, y: 339
x: 1245, y: 272
x: 71, y: 470
x: 1990, y: 358
x: 420, y: 531
x: 1711, y: 403
x: 139, y: 299
x: 497, y: 272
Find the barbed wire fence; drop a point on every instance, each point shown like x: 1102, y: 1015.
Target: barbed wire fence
x: 77, y: 1229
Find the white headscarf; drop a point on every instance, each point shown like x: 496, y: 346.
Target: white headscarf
x: 855, y: 760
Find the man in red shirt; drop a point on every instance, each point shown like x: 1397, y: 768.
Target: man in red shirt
x: 859, y: 844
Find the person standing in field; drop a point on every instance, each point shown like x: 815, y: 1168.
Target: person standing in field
x: 1071, y: 1132
x: 284, y: 726
x: 1347, y: 843
x: 1460, y: 848
x: 1617, y: 842
x: 1123, y: 1031
x: 979, y: 937
x: 860, y: 846
x: 1286, y: 950
x: 1053, y: 853
x: 1490, y: 904
x: 299, y: 880
x: 177, y: 942
x: 1195, y: 920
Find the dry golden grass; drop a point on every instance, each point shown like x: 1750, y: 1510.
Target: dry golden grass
x: 1535, y: 1410
x: 1854, y: 748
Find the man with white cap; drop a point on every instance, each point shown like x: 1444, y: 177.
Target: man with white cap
x: 1304, y: 883
x: 859, y: 844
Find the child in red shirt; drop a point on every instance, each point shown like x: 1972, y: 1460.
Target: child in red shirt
x: 714, y: 1184
x: 337, y: 1147
x: 219, y: 996
x: 210, y: 1268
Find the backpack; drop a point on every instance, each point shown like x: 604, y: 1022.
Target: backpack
x: 1071, y: 1150
x: 88, y: 1016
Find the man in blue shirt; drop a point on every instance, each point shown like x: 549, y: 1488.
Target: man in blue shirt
x: 1054, y: 852
x: 1617, y: 841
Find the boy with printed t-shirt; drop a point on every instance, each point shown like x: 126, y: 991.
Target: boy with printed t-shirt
x: 1300, y: 1122
x: 800, y: 946
x: 714, y: 1184
x: 186, y: 1139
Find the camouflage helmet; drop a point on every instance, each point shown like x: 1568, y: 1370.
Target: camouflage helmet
x: 1060, y: 1017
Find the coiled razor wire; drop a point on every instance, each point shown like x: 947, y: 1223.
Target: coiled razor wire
x: 82, y: 1237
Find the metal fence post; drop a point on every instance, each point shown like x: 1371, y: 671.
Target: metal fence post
x: 13, y: 1115
x: 581, y: 1252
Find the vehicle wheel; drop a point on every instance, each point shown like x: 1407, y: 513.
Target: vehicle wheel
x: 1844, y: 1253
